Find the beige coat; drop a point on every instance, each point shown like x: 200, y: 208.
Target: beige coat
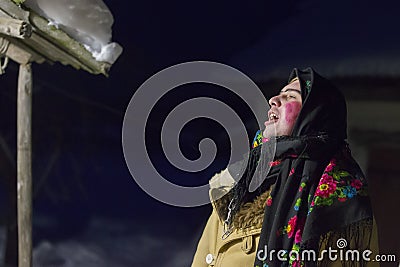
x: 238, y: 249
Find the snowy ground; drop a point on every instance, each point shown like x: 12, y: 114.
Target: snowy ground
x: 112, y: 243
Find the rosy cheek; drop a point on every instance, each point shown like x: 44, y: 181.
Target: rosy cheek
x: 292, y: 111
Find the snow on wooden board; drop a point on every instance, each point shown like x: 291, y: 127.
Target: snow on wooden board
x: 87, y: 21
x: 49, y: 43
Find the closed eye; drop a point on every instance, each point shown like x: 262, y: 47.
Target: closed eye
x: 291, y: 94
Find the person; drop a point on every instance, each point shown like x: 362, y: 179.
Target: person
x: 313, y: 195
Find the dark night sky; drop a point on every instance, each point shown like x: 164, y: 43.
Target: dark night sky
x: 87, y: 111
x: 78, y: 117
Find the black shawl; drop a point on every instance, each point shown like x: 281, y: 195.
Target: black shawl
x: 319, y: 193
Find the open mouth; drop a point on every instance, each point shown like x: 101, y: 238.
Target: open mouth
x: 273, y: 117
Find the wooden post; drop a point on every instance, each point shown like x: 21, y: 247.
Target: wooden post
x: 24, y: 165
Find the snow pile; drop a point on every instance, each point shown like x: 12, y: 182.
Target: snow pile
x: 87, y: 21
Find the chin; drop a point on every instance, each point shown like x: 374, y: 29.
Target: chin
x: 268, y: 134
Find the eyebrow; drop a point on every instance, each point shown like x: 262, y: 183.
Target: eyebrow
x: 291, y: 89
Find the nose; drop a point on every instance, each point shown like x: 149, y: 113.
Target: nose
x: 275, y: 101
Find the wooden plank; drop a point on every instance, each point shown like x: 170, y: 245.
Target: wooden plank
x: 15, y: 28
x: 24, y: 165
x: 18, y: 52
x: 37, y: 45
x: 68, y: 44
x: 16, y: 47
x: 14, y: 52
x: 51, y: 52
x: 53, y: 43
x: 14, y: 10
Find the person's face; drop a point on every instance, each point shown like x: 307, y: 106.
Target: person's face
x: 285, y: 108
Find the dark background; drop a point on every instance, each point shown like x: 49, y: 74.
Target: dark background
x: 84, y: 197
